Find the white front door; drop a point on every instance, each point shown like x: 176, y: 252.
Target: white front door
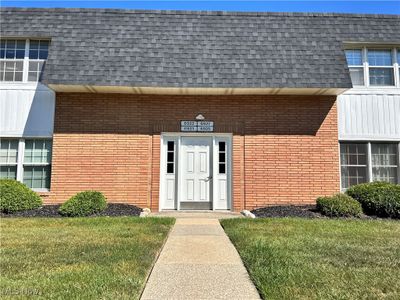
x: 195, y: 172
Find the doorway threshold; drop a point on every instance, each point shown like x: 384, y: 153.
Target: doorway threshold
x: 206, y: 214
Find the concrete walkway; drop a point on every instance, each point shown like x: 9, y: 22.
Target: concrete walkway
x: 198, y: 261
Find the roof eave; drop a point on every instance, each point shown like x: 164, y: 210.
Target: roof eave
x: 63, y: 88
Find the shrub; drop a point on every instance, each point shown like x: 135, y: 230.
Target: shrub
x: 378, y: 198
x: 339, y: 205
x: 15, y: 196
x: 84, y: 204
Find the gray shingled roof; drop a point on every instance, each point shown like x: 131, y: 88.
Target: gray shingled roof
x: 197, y: 49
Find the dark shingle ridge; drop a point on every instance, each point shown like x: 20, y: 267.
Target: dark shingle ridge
x: 195, y: 12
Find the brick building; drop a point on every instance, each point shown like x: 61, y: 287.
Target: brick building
x: 198, y: 110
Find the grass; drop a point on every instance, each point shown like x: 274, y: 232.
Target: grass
x: 291, y: 258
x: 79, y: 258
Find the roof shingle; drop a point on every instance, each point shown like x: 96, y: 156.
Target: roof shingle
x: 108, y: 47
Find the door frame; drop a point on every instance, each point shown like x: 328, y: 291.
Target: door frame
x: 177, y: 137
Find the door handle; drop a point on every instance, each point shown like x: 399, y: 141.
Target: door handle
x: 208, y: 178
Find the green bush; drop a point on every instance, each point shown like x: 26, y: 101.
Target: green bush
x: 339, y: 205
x: 84, y: 204
x: 15, y: 196
x: 377, y: 198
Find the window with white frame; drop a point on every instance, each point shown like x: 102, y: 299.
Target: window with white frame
x: 27, y: 160
x: 37, y: 159
x: 374, y: 66
x: 8, y: 158
x: 12, y: 55
x: 380, y: 67
x: 355, y: 62
x: 353, y: 163
x: 369, y: 161
x: 384, y: 160
x: 38, y: 52
x: 22, y: 60
x: 398, y: 61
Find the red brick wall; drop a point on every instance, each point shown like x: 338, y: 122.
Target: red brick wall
x: 285, y: 148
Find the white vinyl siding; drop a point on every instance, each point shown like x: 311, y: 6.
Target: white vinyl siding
x: 369, y: 116
x: 26, y: 111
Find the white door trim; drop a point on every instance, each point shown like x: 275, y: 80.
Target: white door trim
x: 177, y: 137
x: 222, y: 180
x: 164, y: 189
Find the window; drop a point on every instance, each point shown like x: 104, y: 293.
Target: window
x: 31, y: 165
x: 365, y: 162
x: 22, y: 60
x: 353, y: 161
x: 170, y: 157
x: 12, y: 53
x: 384, y: 162
x: 37, y: 158
x: 222, y: 157
x: 8, y: 158
x: 373, y: 67
x: 354, y: 60
x: 38, y: 52
x: 380, y: 67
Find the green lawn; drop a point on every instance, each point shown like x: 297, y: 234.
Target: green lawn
x: 294, y: 258
x: 83, y: 258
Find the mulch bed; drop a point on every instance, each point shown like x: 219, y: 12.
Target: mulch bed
x: 305, y: 211
x: 51, y: 211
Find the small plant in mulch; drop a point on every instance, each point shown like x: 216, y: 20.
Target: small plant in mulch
x: 16, y: 196
x: 84, y: 204
x: 339, y: 205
